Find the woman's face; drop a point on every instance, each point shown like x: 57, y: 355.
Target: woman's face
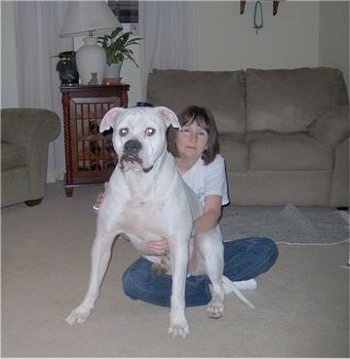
x: 191, y: 141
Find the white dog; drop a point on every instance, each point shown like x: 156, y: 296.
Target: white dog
x: 147, y: 199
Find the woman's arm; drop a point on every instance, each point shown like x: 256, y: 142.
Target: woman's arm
x: 212, y: 213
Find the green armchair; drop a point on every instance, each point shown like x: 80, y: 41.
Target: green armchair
x: 25, y: 137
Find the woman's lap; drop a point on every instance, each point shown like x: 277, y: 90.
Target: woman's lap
x: 243, y: 258
x: 248, y: 257
x: 141, y: 282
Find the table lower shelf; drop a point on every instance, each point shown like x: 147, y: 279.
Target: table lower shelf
x: 85, y: 180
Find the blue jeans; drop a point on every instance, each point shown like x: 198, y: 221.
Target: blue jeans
x: 243, y: 259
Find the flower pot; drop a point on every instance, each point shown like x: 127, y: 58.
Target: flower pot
x: 112, y: 74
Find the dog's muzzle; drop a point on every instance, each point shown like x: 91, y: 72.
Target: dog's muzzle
x: 131, y: 156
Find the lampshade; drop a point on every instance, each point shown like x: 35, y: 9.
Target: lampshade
x: 86, y: 18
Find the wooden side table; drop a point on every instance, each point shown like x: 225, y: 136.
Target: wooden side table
x: 89, y: 154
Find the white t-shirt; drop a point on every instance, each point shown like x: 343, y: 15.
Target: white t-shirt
x: 208, y: 179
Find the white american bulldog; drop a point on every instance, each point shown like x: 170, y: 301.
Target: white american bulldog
x: 146, y: 199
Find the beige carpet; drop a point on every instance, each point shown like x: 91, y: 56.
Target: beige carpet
x: 302, y: 303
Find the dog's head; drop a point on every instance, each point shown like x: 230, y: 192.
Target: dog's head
x: 139, y: 134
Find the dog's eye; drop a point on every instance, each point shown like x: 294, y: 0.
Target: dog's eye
x: 150, y: 131
x: 123, y: 132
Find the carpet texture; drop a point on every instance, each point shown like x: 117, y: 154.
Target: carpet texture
x: 285, y: 223
x: 302, y: 303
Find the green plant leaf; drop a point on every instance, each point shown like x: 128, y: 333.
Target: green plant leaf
x: 117, y: 46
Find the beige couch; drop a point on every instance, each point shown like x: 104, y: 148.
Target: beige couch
x: 25, y: 137
x: 284, y: 133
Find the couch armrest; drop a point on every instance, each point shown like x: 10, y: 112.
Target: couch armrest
x: 332, y: 127
x: 25, y: 126
x: 339, y: 195
x: 31, y: 129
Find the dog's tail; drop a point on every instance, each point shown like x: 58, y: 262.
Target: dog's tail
x: 233, y: 288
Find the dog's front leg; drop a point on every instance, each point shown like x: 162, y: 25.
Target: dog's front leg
x: 179, y: 258
x: 100, y: 255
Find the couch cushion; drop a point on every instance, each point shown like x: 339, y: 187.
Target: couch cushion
x: 234, y: 149
x: 12, y: 156
x: 289, y: 100
x: 222, y: 92
x: 278, y: 151
x: 332, y: 126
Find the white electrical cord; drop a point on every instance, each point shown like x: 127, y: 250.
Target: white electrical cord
x: 313, y: 244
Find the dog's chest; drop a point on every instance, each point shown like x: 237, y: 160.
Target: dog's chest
x: 145, y: 216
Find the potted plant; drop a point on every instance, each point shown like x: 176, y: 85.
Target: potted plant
x: 117, y: 50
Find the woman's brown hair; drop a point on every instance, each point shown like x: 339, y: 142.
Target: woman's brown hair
x: 204, y: 119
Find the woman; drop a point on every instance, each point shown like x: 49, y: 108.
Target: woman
x: 196, y: 155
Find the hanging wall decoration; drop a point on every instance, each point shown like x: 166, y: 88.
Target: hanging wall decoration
x: 258, y: 17
x: 275, y: 4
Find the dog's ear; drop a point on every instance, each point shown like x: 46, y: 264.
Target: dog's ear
x: 168, y: 116
x: 110, y: 118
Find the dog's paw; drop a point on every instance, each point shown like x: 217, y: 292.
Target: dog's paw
x: 215, y: 309
x: 177, y: 330
x: 78, y: 316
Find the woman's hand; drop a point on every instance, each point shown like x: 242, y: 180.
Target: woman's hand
x: 100, y: 198
x: 159, y: 247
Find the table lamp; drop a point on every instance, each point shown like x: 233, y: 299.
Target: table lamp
x: 86, y: 18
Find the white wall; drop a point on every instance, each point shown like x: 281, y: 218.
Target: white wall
x: 9, y: 93
x: 228, y: 41
x: 334, y: 49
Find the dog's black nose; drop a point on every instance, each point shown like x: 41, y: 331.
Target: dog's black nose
x: 132, y: 146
